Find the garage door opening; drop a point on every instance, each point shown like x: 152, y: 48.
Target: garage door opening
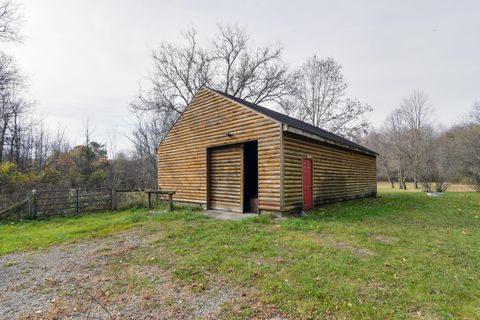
x: 225, y: 178
x: 250, y: 170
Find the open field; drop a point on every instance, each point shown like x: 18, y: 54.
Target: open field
x: 385, y: 186
x: 400, y: 255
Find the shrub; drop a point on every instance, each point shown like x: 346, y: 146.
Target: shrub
x: 431, y: 178
x: 476, y: 181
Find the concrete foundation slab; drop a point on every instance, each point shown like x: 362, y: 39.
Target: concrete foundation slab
x: 228, y: 215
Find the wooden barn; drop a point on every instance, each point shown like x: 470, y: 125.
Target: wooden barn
x: 226, y: 153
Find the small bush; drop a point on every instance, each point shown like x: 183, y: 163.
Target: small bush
x: 476, y: 181
x: 441, y: 186
x: 432, y: 179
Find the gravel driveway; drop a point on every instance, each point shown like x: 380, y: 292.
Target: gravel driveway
x: 90, y: 280
x: 75, y: 281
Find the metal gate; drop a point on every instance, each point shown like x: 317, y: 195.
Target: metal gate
x: 69, y: 201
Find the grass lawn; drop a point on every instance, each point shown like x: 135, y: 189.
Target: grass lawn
x: 34, y: 235
x: 400, y: 255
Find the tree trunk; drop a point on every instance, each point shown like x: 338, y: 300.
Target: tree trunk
x: 415, y: 180
x: 389, y: 176
x: 400, y: 180
x: 390, y: 180
x: 404, y: 183
x: 2, y: 140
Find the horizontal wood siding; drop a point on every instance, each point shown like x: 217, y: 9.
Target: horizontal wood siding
x: 182, y: 156
x: 225, y: 179
x: 338, y: 174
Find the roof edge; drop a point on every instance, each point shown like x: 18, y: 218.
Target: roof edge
x: 317, y: 137
x: 248, y: 105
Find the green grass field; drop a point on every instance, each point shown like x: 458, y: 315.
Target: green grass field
x: 39, y: 234
x: 400, y: 255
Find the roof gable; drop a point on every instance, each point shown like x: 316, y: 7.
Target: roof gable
x: 219, y: 96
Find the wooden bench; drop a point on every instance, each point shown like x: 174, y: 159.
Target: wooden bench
x: 161, y: 192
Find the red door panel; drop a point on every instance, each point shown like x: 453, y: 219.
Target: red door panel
x: 307, y: 184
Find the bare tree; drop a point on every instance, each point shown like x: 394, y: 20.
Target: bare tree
x: 13, y: 112
x: 5, y: 118
x: 379, y: 140
x: 467, y: 146
x: 11, y: 20
x: 412, y: 133
x: 257, y: 75
x: 13, y: 108
x: 59, y: 142
x: 149, y: 131
x: 179, y: 72
x: 431, y: 172
x: 475, y: 114
x: 228, y: 65
x: 9, y: 74
x: 319, y: 97
x: 123, y: 171
x: 85, y: 160
x: 88, y: 130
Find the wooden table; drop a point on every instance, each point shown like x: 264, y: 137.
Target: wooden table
x: 169, y: 193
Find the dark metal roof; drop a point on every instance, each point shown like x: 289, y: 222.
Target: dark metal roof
x: 280, y: 117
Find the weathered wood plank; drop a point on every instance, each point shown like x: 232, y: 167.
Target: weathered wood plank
x: 338, y: 174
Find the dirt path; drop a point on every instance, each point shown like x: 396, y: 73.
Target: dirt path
x: 75, y: 281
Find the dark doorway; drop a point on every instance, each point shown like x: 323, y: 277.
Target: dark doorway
x: 250, y: 186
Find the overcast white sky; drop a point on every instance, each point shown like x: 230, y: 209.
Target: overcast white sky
x: 86, y: 58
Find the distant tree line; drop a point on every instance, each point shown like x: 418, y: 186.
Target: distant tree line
x: 33, y: 156
x: 412, y: 147
x: 47, y: 160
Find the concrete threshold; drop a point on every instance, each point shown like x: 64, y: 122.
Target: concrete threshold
x: 228, y: 215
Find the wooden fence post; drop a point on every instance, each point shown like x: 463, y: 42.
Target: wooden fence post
x: 114, y: 199
x: 170, y: 202
x: 77, y: 193
x: 29, y: 204
x: 149, y: 200
x: 34, y: 204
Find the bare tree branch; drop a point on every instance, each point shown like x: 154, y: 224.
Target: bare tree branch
x: 11, y: 20
x: 318, y: 97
